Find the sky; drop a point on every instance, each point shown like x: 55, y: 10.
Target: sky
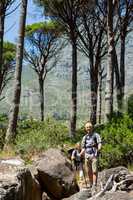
x: 34, y: 14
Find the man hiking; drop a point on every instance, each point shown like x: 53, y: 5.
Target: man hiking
x: 91, y: 145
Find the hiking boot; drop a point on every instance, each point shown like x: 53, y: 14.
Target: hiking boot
x: 90, y: 186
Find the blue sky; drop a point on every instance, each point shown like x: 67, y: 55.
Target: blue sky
x: 34, y: 14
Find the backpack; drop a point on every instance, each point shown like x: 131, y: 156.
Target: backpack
x: 94, y: 139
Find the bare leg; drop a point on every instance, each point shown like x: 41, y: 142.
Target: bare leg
x: 95, y: 178
x: 95, y: 172
x: 90, y: 175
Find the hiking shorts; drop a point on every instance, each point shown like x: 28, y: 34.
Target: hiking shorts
x: 91, y: 164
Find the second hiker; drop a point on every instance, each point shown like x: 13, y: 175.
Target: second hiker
x: 77, y: 160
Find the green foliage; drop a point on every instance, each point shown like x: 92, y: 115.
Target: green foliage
x: 117, y: 138
x: 117, y: 143
x: 2, y: 136
x: 9, y: 52
x: 34, y: 136
x: 50, y: 27
x: 3, y: 125
x: 130, y: 106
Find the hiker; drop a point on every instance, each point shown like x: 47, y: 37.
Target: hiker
x: 77, y: 160
x: 91, y: 145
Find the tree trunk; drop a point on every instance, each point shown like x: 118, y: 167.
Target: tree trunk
x: 94, y: 90
x: 11, y: 131
x: 122, y: 71
x: 94, y: 72
x: 100, y: 102
x: 2, y: 19
x: 41, y: 88
x: 74, y: 89
x: 100, y: 96
x: 118, y: 81
x: 109, y: 81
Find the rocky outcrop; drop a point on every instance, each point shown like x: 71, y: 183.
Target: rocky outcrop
x: 17, y: 182
x: 120, y: 173
x: 55, y: 175
x: 81, y: 195
x: 115, y: 183
x: 114, y: 196
x: 49, y: 178
x: 121, y: 179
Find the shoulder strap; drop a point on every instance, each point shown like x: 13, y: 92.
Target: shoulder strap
x: 75, y: 153
x: 94, y: 138
x: 85, y: 139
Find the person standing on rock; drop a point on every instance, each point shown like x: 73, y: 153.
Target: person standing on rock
x: 77, y: 160
x: 91, y: 145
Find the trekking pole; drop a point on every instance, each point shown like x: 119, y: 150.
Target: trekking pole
x: 84, y: 174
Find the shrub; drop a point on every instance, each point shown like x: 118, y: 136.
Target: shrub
x: 3, y: 126
x: 34, y: 136
x: 130, y: 106
x: 118, y: 139
x: 2, y: 137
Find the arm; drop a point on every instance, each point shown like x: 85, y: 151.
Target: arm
x: 99, y: 142
x: 99, y: 146
x: 73, y: 155
x: 82, y: 152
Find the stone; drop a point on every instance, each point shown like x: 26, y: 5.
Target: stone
x: 17, y: 182
x: 55, y: 175
x: 81, y: 195
x: 119, y: 174
x: 115, y: 196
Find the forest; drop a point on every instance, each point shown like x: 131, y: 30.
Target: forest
x: 72, y: 66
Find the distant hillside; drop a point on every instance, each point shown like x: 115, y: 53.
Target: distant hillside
x: 58, y: 87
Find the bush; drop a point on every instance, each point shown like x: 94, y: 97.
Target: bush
x: 117, y: 143
x: 2, y: 137
x: 3, y: 126
x: 130, y: 106
x: 117, y: 138
x: 35, y: 136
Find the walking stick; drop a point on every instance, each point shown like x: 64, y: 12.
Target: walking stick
x: 84, y: 174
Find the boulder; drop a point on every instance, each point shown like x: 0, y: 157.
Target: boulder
x: 84, y: 195
x: 17, y: 182
x: 81, y: 195
x: 55, y: 175
x: 13, y: 162
x: 117, y: 185
x: 119, y: 174
x: 114, y: 196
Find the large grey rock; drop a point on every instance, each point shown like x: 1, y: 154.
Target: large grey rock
x: 115, y: 196
x: 55, y: 175
x: 119, y: 174
x: 17, y: 182
x: 82, y: 195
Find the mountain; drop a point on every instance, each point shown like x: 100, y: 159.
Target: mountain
x: 58, y: 87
